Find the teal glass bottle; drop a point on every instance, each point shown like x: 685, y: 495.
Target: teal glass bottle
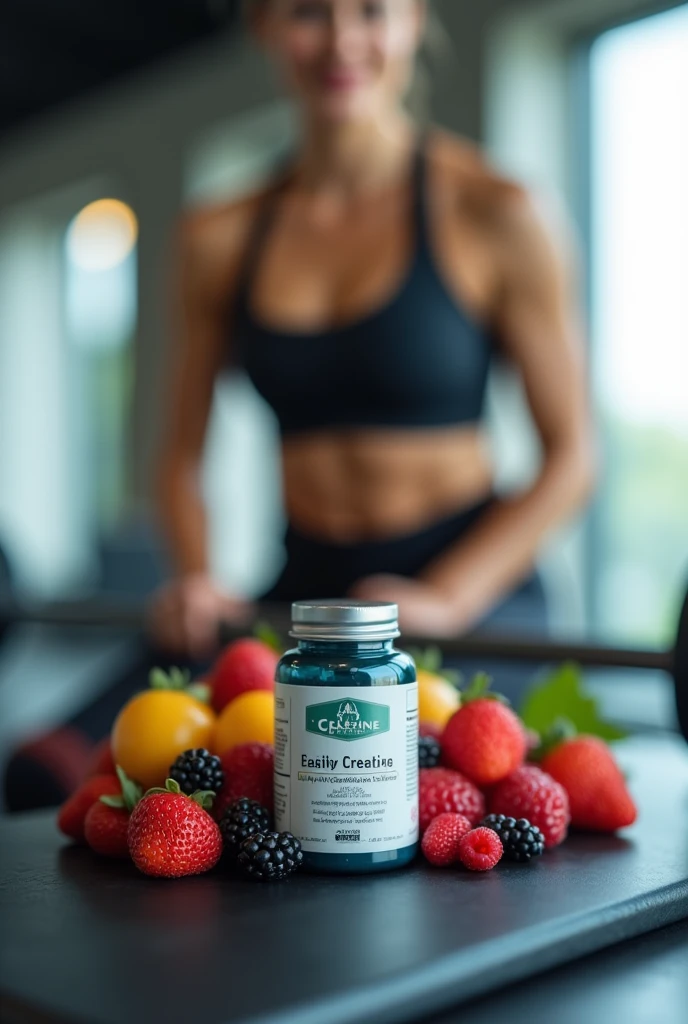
x: 346, y: 738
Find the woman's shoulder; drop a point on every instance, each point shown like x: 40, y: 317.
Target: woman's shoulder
x: 519, y: 222
x: 464, y: 173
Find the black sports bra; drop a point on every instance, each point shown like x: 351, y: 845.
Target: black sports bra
x: 419, y: 361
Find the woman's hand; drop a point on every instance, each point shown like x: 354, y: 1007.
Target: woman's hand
x: 423, y: 609
x: 185, y: 614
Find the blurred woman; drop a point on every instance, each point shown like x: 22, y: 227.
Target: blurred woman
x: 365, y: 292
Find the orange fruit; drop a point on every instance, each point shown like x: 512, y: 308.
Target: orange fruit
x: 154, y: 727
x: 249, y: 718
x: 437, y: 699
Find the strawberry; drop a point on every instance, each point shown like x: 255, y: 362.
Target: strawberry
x: 247, y: 664
x: 72, y: 813
x: 171, y: 834
x: 441, y: 790
x: 441, y: 838
x: 105, y: 830
x: 249, y: 772
x: 597, y: 791
x: 107, y: 820
x: 484, y: 739
x: 533, y: 794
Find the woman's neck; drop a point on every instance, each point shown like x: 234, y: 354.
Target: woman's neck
x: 355, y: 159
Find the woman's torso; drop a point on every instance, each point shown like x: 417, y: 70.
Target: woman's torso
x: 390, y: 298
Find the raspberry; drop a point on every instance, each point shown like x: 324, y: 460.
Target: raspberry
x: 533, y: 794
x: 480, y: 849
x: 441, y: 789
x: 441, y: 840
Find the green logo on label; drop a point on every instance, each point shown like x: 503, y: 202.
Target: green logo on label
x: 347, y: 719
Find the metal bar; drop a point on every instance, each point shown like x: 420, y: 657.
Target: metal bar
x: 131, y: 615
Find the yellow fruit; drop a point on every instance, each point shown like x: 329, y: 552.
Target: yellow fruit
x: 154, y: 727
x: 249, y: 718
x: 437, y: 699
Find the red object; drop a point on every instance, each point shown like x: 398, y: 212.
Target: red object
x: 441, y: 790
x: 170, y: 835
x: 597, y: 790
x: 102, y: 762
x: 249, y: 772
x: 480, y: 849
x: 72, y: 813
x: 533, y: 794
x: 430, y: 729
x: 105, y: 830
x: 440, y: 843
x: 245, y: 665
x: 484, y: 740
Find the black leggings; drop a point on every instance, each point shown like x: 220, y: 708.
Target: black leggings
x: 313, y: 569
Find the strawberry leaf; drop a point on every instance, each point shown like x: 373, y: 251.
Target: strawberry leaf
x: 113, y: 801
x: 204, y: 798
x: 561, y: 694
x: 264, y: 632
x: 131, y: 791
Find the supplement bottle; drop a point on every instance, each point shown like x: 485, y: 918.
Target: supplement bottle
x: 346, y: 738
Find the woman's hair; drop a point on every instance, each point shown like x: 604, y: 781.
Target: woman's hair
x: 433, y: 52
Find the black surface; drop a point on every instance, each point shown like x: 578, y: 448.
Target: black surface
x: 643, y: 981
x: 86, y: 940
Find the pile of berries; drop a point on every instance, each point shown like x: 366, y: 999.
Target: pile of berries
x: 480, y: 802
x: 202, y: 757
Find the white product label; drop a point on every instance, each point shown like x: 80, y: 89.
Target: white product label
x: 346, y: 766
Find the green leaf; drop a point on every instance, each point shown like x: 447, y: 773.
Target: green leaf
x: 479, y: 688
x: 113, y: 801
x: 172, y: 786
x: 204, y: 798
x: 201, y: 691
x: 264, y: 632
x: 561, y: 694
x: 175, y: 679
x: 131, y: 791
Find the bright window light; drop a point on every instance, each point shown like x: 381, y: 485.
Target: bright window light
x: 102, y: 235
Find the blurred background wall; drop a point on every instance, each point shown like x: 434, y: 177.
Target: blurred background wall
x: 159, y: 105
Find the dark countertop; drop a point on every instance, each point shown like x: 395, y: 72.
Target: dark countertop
x: 84, y: 939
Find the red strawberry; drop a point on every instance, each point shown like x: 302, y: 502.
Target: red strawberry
x: 597, y: 790
x: 533, y: 794
x: 72, y: 813
x: 102, y: 762
x: 480, y: 849
x: 247, y: 664
x: 171, y: 834
x: 484, y: 739
x: 440, y: 790
x: 105, y: 830
x: 107, y: 820
x: 441, y: 839
x: 249, y: 771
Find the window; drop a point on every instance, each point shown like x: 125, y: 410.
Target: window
x: 639, y: 254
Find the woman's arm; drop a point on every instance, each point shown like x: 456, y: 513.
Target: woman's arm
x: 537, y: 321
x: 186, y: 612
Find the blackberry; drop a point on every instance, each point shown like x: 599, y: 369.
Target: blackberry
x: 242, y: 819
x: 270, y: 856
x: 429, y: 752
x: 197, y: 769
x: 521, y: 840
